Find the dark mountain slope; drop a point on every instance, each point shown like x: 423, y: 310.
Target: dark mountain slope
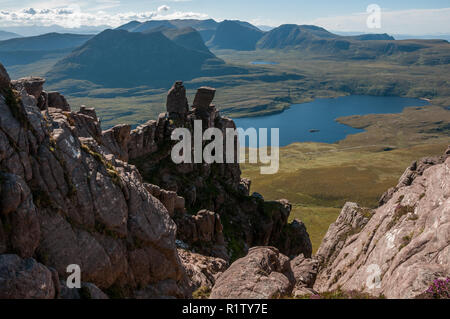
x: 187, y: 37
x: 235, y: 35
x: 117, y: 58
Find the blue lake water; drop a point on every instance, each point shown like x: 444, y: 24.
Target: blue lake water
x: 264, y: 63
x: 316, y: 121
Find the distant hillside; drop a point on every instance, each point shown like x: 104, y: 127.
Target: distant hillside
x: 291, y: 35
x: 187, y: 37
x: 45, y: 42
x: 117, y: 58
x: 235, y: 35
x: 206, y: 28
x: 316, y: 40
x: 35, y: 30
x: 4, y: 35
x: 372, y: 37
x: 26, y: 50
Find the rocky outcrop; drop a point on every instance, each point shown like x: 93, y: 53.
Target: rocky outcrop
x: 416, y: 169
x: 305, y: 272
x: 109, y: 201
x: 402, y: 248
x: 58, y: 101
x: 177, y: 103
x: 263, y: 274
x: 25, y: 279
x: 247, y: 220
x: 202, y: 271
x: 349, y: 224
x: 66, y: 198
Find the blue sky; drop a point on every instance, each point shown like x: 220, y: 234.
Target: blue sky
x: 400, y: 16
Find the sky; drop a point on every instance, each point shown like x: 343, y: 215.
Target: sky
x: 397, y: 17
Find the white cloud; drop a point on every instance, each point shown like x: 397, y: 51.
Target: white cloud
x: 415, y: 21
x: 72, y: 16
x: 163, y: 8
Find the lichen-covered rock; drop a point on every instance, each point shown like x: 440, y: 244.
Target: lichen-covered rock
x: 33, y: 85
x: 350, y: 222
x: 415, y: 170
x: 201, y: 270
x: 68, y: 197
x: 25, y: 279
x: 263, y: 274
x: 404, y: 246
x: 305, y: 271
x: 204, y: 231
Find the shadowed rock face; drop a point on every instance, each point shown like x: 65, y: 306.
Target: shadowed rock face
x: 177, y: 102
x: 4, y: 77
x: 25, y: 279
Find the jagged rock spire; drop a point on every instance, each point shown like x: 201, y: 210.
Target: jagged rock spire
x: 204, y: 97
x: 177, y: 102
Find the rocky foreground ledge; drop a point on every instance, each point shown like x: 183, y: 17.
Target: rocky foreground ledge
x: 114, y: 203
x: 140, y: 226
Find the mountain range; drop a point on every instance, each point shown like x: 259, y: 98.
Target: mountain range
x: 4, y: 35
x: 154, y: 53
x: 25, y: 50
x: 118, y: 58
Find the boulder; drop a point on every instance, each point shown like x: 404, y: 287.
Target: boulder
x: 204, y: 97
x: 201, y: 270
x: 25, y: 279
x: 263, y: 274
x: 33, y: 85
x: 305, y: 272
